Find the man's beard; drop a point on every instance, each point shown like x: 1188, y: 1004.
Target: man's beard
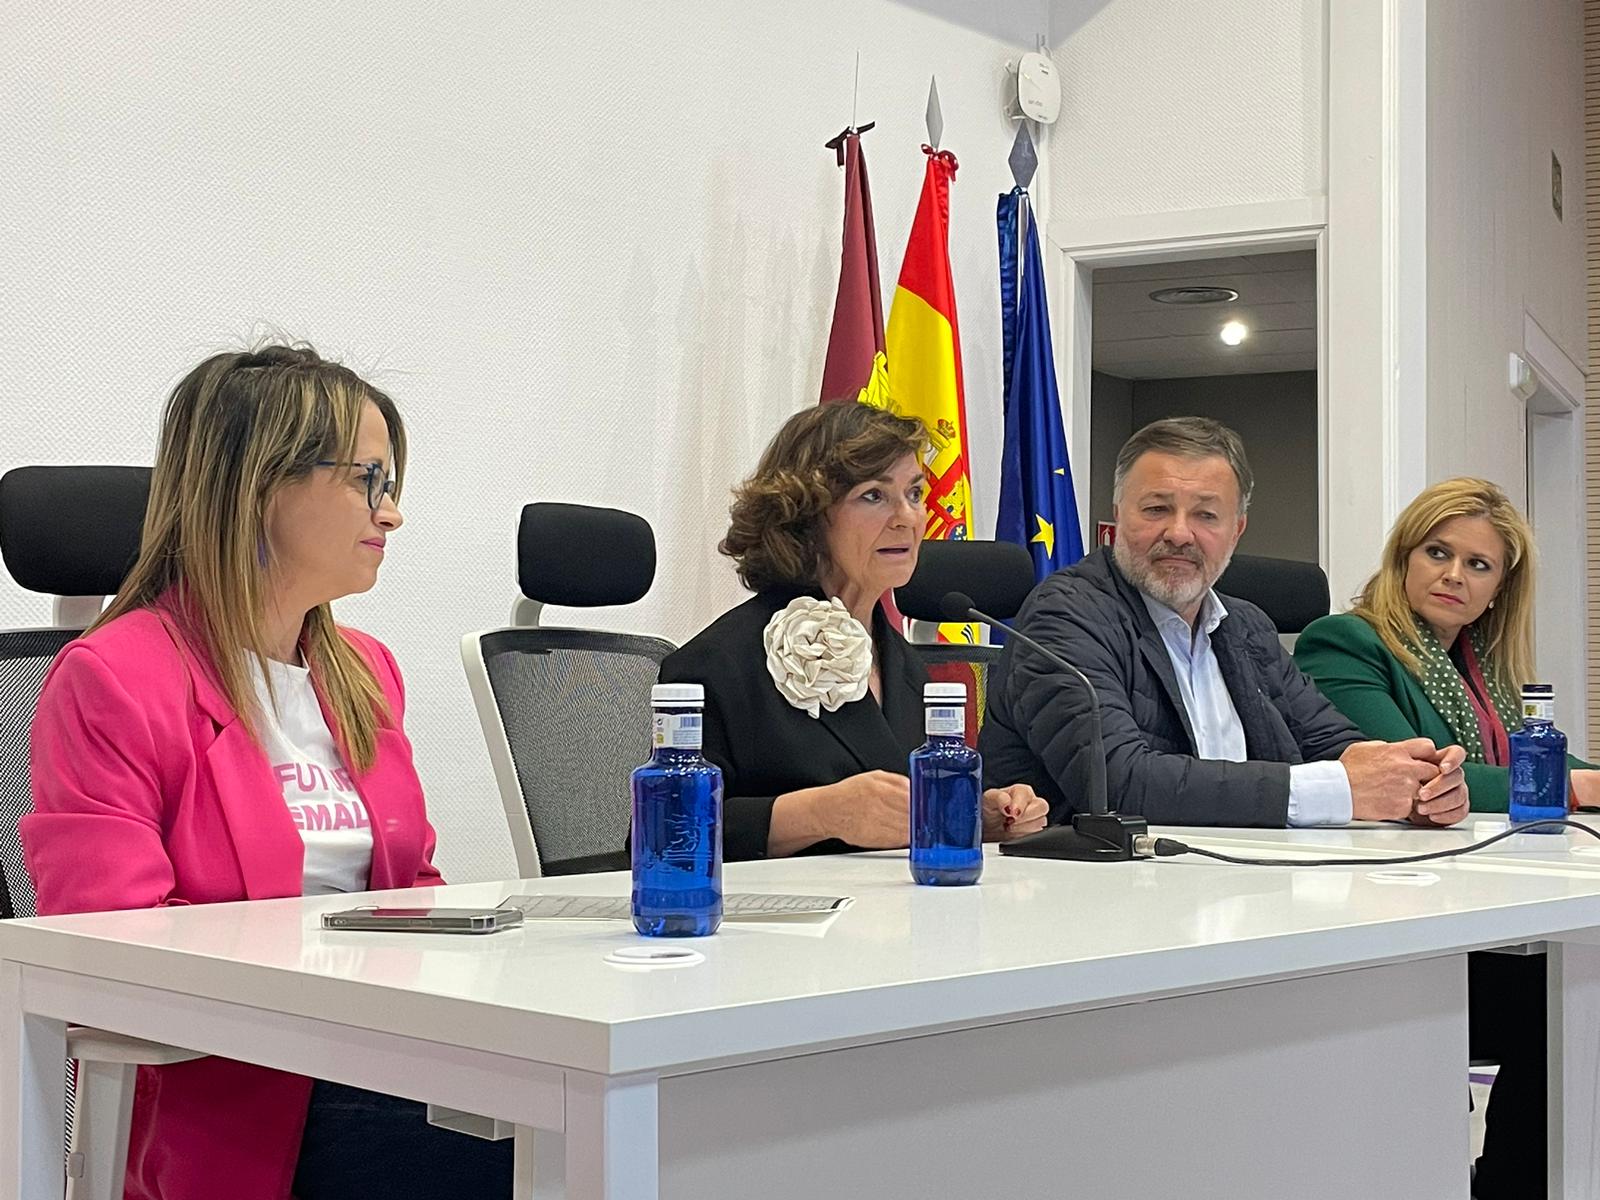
x: 1149, y: 579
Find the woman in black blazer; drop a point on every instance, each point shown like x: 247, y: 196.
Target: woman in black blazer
x: 810, y: 716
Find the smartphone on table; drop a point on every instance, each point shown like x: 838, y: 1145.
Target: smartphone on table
x: 425, y: 920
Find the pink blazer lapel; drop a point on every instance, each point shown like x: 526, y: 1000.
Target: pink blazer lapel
x: 269, y: 849
x: 266, y: 843
x: 387, y: 791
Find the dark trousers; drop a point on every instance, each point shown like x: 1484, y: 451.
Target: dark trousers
x: 360, y: 1145
x: 1506, y: 1023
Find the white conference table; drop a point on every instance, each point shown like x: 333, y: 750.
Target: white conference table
x: 1095, y: 1030
x: 1573, y: 966
x: 1376, y: 839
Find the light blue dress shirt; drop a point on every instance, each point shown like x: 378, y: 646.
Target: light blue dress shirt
x: 1319, y: 792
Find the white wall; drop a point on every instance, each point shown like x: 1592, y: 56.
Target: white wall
x: 1505, y: 90
x: 1277, y: 124
x: 1186, y: 123
x: 1170, y: 105
x: 600, y: 291
x: 1506, y: 275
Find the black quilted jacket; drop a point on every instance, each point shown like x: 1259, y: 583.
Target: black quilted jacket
x: 1035, y: 728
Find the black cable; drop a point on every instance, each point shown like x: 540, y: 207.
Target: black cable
x: 1171, y: 848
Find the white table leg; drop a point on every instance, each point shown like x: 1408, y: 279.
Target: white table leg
x: 33, y: 1086
x: 612, y: 1138
x: 1574, y: 1054
x: 104, y: 1118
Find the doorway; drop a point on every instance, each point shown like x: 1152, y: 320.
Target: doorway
x: 1556, y: 512
x: 1232, y: 336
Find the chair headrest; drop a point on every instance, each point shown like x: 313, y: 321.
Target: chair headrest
x: 997, y: 575
x: 1292, y: 593
x: 582, y: 557
x: 72, y: 531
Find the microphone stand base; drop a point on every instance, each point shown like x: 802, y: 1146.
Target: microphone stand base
x: 1092, y: 837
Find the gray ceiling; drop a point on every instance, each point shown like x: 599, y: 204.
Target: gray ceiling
x: 1136, y: 338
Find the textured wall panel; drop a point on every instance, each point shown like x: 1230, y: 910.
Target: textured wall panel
x: 1591, y: 399
x: 1169, y: 104
x: 579, y: 285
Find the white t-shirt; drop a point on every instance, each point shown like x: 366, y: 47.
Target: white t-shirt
x: 323, y: 801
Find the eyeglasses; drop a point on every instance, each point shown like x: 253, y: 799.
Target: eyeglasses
x: 375, y: 476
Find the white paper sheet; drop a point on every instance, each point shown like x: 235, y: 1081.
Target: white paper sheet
x: 735, y: 907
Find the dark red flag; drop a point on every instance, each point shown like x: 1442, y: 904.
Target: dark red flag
x: 857, y: 332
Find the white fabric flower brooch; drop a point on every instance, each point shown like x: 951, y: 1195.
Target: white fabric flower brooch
x: 818, y: 654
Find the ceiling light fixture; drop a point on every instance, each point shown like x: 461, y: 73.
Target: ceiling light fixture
x: 1233, y: 333
x: 1195, y: 295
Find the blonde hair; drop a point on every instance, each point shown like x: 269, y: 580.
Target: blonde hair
x: 1507, y: 628
x: 237, y: 429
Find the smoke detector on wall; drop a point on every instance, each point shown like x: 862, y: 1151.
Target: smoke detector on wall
x: 1036, y: 89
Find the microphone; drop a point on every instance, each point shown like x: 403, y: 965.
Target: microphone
x: 1094, y: 836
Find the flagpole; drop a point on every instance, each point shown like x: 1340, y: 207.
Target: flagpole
x: 1024, y: 163
x: 855, y: 91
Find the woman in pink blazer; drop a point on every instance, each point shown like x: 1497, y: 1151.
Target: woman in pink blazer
x: 216, y: 736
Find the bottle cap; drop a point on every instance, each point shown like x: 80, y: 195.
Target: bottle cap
x: 1538, y: 691
x: 943, y: 693
x: 678, y: 693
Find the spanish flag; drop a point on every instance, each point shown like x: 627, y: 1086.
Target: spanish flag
x: 923, y: 345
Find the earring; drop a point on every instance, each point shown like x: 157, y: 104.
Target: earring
x: 1491, y: 604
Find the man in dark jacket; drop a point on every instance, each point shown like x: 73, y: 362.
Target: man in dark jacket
x: 1205, y: 719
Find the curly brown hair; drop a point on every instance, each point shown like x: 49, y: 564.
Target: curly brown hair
x: 777, y: 525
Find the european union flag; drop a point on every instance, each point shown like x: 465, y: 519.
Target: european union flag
x: 1038, y: 507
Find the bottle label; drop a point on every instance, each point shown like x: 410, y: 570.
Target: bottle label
x: 946, y: 722
x: 677, y: 730
x: 1538, y: 710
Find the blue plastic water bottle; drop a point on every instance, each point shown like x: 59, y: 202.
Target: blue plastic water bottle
x: 677, y: 823
x: 1538, y: 760
x: 946, y: 793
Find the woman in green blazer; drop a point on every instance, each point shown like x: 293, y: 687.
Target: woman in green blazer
x: 1440, y: 640
x: 1438, y: 645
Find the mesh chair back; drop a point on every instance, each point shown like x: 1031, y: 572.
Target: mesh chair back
x: 949, y: 662
x: 575, y: 705
x: 25, y: 656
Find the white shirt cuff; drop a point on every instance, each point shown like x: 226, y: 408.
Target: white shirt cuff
x: 1319, y: 794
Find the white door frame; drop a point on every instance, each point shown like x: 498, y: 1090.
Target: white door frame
x: 1172, y: 237
x: 1556, y: 502
x: 1368, y: 219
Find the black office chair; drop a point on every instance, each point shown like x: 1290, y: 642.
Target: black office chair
x: 70, y: 533
x: 998, y: 576
x: 1292, y: 593
x: 565, y: 712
